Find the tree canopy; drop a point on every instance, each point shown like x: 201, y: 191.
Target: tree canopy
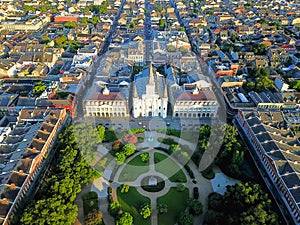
x: 39, y: 88
x: 295, y: 84
x: 145, y: 211
x: 259, y: 49
x: 231, y: 157
x: 46, y: 39
x: 162, y: 23
x: 70, y: 24
x: 242, y: 204
x: 54, y: 202
x: 186, y: 219
x: 125, y: 219
x: 88, y: 137
x: 195, y: 206
x: 262, y: 80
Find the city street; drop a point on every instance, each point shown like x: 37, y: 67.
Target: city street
x: 148, y: 43
x: 96, y: 65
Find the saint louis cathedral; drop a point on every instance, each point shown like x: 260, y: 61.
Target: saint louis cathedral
x: 150, y: 97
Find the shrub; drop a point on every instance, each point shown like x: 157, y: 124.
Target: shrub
x: 125, y: 188
x: 167, y: 141
x: 114, y: 208
x: 190, y: 172
x: 169, y: 131
x: 162, y: 149
x: 90, y: 195
x: 141, y: 139
x: 195, y: 206
x: 90, y: 202
x: 208, y: 174
x: 137, y: 130
x: 196, y: 192
x: 180, y: 187
x: 129, y: 139
x: 162, y: 208
x: 145, y: 211
x: 145, y: 157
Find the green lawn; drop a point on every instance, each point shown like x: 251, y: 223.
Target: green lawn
x: 131, y: 202
x: 166, y: 166
x: 133, y: 169
x: 176, y: 202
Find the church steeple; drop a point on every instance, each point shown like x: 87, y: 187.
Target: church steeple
x: 151, y: 77
x: 135, y: 94
x: 165, y: 91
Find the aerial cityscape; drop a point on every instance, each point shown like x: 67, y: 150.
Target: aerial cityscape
x: 149, y: 112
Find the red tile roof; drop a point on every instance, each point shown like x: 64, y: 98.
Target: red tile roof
x: 110, y: 96
x: 202, y: 95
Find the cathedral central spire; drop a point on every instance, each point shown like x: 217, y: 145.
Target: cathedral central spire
x: 135, y: 94
x: 151, y: 77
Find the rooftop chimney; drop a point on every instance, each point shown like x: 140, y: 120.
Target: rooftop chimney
x: 13, y: 186
x: 5, y: 201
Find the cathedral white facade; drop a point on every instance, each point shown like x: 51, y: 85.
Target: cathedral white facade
x: 150, y: 97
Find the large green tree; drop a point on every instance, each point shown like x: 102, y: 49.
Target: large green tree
x: 70, y: 24
x: 145, y: 211
x: 54, y: 202
x: 114, y: 208
x: 295, y: 84
x: 231, y: 156
x: 262, y: 80
x: 39, y: 88
x: 242, y: 203
x: 125, y: 219
x: 88, y: 138
x: 186, y: 219
x: 259, y: 49
x: 195, y: 206
x: 129, y: 149
x: 52, y: 210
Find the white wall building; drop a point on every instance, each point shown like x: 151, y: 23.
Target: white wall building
x: 106, y: 104
x: 150, y: 99
x: 195, y: 104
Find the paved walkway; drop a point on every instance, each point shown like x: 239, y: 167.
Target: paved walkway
x: 103, y: 207
x: 78, y: 201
